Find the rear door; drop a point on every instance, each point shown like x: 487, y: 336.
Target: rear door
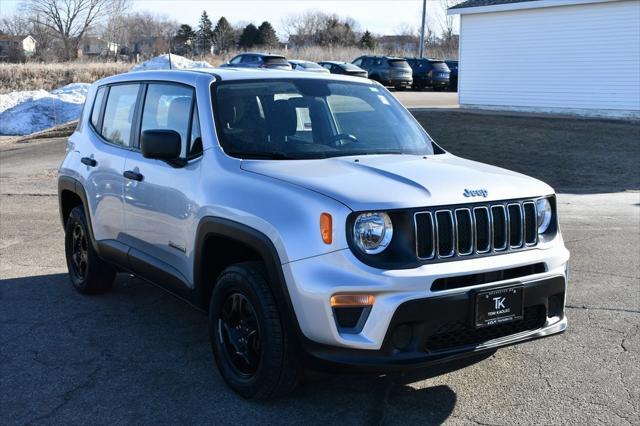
x: 160, y: 206
x: 104, y: 158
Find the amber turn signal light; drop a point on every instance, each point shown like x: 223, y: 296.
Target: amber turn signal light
x: 326, y: 228
x: 352, y: 300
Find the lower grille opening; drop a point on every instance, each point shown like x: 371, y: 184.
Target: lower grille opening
x: 351, y: 319
x: 487, y: 277
x: 458, y: 334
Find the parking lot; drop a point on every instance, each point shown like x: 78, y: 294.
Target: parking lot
x: 137, y: 355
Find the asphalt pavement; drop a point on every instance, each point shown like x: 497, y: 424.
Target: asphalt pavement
x: 137, y: 355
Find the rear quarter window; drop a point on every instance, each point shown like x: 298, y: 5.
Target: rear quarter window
x: 97, y: 106
x: 119, y: 113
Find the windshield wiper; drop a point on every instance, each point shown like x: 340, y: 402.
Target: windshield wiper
x: 349, y: 153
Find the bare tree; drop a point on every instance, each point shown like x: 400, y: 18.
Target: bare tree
x: 14, y: 25
x: 320, y: 29
x: 447, y: 22
x: 69, y: 19
x: 115, y: 28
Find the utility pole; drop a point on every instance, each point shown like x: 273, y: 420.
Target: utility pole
x: 424, y: 18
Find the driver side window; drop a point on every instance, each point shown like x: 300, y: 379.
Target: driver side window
x: 169, y: 107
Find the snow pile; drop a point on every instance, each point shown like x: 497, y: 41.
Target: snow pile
x: 23, y: 113
x: 177, y: 63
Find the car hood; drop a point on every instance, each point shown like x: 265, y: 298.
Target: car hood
x: 377, y: 182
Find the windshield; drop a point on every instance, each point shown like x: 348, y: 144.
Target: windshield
x: 313, y: 118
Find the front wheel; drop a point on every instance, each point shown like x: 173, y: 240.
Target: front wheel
x: 251, y: 348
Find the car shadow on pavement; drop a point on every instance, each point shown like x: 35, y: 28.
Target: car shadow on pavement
x: 146, y: 357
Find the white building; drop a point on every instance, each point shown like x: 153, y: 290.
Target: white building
x: 560, y: 56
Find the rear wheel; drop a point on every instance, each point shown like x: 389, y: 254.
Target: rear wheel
x: 89, y: 274
x: 251, y: 348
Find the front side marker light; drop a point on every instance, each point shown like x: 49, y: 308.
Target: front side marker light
x: 352, y: 300
x: 326, y: 228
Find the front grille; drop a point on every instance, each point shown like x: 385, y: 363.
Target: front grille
x: 444, y: 233
x: 457, y: 334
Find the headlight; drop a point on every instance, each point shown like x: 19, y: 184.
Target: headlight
x: 543, y: 208
x: 372, y: 232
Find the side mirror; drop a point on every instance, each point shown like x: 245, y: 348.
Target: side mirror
x: 160, y: 144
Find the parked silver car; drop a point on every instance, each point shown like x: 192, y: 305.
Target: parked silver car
x: 312, y: 217
x: 300, y: 65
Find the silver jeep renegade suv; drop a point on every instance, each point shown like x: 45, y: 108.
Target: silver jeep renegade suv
x: 312, y: 217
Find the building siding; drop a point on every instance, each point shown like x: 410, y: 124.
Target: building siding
x: 582, y: 57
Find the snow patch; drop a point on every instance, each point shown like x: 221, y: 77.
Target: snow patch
x: 177, y: 63
x: 23, y: 113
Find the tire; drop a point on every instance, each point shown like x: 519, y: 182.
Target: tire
x: 399, y: 88
x: 88, y: 273
x: 267, y: 367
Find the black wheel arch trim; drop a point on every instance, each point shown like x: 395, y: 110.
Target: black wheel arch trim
x: 262, y: 244
x: 67, y: 183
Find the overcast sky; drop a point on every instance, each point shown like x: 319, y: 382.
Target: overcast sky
x: 378, y: 16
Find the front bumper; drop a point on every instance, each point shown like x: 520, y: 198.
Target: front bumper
x: 311, y: 282
x: 440, y: 83
x: 441, y: 330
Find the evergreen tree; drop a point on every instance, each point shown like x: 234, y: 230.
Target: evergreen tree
x: 267, y: 35
x: 204, y: 35
x: 224, y: 38
x: 184, y: 39
x: 367, y: 41
x: 249, y: 37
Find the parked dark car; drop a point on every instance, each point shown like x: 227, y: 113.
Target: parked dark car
x: 453, y: 79
x: 428, y: 72
x: 300, y: 65
x: 344, y: 68
x: 387, y: 70
x: 258, y: 60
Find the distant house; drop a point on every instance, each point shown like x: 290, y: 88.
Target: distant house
x: 16, y: 47
x: 149, y: 46
x: 579, y: 57
x: 399, y: 43
x: 94, y: 46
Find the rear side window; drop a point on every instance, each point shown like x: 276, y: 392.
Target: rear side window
x: 118, y: 114
x: 97, y: 106
x: 168, y: 107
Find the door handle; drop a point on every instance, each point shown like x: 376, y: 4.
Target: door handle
x: 130, y: 174
x: 88, y: 161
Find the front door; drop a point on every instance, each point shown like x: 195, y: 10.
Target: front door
x: 104, y: 158
x: 160, y: 211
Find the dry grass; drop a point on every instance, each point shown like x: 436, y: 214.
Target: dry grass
x: 34, y: 76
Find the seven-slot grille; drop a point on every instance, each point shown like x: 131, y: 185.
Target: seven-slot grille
x: 443, y: 233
